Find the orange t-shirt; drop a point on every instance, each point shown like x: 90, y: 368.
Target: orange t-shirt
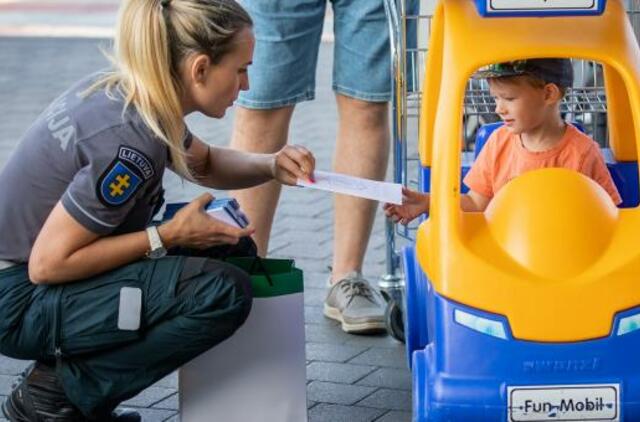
x: 504, y: 157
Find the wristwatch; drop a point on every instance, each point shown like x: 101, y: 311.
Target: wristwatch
x: 157, y: 248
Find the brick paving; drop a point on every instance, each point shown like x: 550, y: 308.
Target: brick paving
x: 350, y: 378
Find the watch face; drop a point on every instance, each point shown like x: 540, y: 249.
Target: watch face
x: 157, y: 253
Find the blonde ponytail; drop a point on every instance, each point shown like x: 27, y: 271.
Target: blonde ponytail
x: 152, y: 39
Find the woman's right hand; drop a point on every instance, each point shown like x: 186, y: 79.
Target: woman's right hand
x: 413, y: 205
x: 193, y: 227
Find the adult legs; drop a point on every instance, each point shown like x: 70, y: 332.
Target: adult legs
x: 263, y: 131
x: 362, y: 149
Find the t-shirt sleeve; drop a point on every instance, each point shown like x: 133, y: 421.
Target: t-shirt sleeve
x: 480, y: 177
x: 111, y: 177
x: 594, y: 167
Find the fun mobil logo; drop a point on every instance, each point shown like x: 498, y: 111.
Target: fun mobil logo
x: 564, y: 403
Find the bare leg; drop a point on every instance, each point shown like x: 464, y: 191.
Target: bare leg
x: 362, y: 150
x: 263, y: 131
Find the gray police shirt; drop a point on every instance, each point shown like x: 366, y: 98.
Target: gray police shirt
x: 102, y: 162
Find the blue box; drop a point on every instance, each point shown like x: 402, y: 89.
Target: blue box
x: 224, y: 209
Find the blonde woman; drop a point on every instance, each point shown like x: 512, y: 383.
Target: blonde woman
x: 85, y: 288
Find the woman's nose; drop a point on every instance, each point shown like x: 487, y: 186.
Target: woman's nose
x: 244, y: 83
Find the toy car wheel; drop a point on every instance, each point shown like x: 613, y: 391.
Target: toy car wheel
x: 394, y: 320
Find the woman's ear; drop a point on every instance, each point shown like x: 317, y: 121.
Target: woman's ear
x: 200, y: 68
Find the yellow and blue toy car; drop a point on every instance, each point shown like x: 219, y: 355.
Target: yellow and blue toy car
x: 531, y: 310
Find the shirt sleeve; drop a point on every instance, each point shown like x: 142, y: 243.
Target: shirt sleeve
x: 111, y: 178
x: 594, y: 167
x: 480, y: 177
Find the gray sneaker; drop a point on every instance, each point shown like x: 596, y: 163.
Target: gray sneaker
x: 358, y: 306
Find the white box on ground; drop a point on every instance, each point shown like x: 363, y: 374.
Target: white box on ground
x: 256, y: 375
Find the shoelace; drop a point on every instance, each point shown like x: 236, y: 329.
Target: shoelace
x: 357, y: 287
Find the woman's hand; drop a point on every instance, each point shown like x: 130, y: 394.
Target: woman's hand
x: 192, y: 227
x: 413, y: 205
x: 291, y: 163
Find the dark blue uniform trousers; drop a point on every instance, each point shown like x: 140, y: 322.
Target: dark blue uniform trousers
x: 189, y: 304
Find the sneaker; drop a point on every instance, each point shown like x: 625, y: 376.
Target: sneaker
x: 356, y: 305
x: 38, y: 396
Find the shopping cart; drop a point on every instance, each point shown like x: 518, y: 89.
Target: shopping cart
x: 410, y: 29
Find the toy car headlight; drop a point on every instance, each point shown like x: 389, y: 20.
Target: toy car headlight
x: 483, y: 325
x: 628, y: 324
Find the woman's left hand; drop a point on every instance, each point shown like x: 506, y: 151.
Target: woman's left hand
x: 293, y: 162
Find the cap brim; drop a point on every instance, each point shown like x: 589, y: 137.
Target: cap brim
x: 485, y: 74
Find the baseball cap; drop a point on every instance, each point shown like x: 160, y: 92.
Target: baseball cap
x: 556, y: 71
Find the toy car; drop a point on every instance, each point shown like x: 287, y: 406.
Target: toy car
x: 529, y: 311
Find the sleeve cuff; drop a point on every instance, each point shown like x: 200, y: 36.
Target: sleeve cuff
x: 84, y: 217
x: 482, y: 190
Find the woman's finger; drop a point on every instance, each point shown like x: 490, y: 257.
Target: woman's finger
x: 223, y: 229
x: 203, y: 200
x: 309, y: 158
x: 291, y: 169
x: 302, y: 159
x: 312, y: 160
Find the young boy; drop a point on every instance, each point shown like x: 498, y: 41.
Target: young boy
x: 527, y: 95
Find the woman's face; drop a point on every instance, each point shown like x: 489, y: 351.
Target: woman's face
x: 212, y: 88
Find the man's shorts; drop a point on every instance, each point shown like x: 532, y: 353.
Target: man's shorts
x: 288, y: 36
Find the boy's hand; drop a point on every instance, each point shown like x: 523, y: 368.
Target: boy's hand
x: 293, y: 162
x: 413, y: 205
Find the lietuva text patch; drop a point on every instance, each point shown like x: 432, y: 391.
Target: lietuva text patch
x: 138, y: 160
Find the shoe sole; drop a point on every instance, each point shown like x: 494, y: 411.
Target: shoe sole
x: 354, y: 328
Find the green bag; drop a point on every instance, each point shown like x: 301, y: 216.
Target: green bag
x: 271, y: 277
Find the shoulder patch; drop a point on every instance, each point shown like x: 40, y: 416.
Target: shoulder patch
x: 138, y: 160
x: 118, y: 184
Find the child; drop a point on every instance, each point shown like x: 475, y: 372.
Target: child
x: 527, y: 95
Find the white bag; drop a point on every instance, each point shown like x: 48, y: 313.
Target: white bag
x: 259, y: 373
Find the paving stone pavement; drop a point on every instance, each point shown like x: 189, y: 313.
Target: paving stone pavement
x: 350, y: 378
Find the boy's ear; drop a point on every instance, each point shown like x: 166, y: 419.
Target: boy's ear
x: 552, y: 93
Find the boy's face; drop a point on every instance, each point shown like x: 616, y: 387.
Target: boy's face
x: 520, y: 105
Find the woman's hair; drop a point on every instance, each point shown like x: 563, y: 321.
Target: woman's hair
x: 152, y: 39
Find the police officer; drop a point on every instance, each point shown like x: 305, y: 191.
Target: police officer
x: 85, y: 288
